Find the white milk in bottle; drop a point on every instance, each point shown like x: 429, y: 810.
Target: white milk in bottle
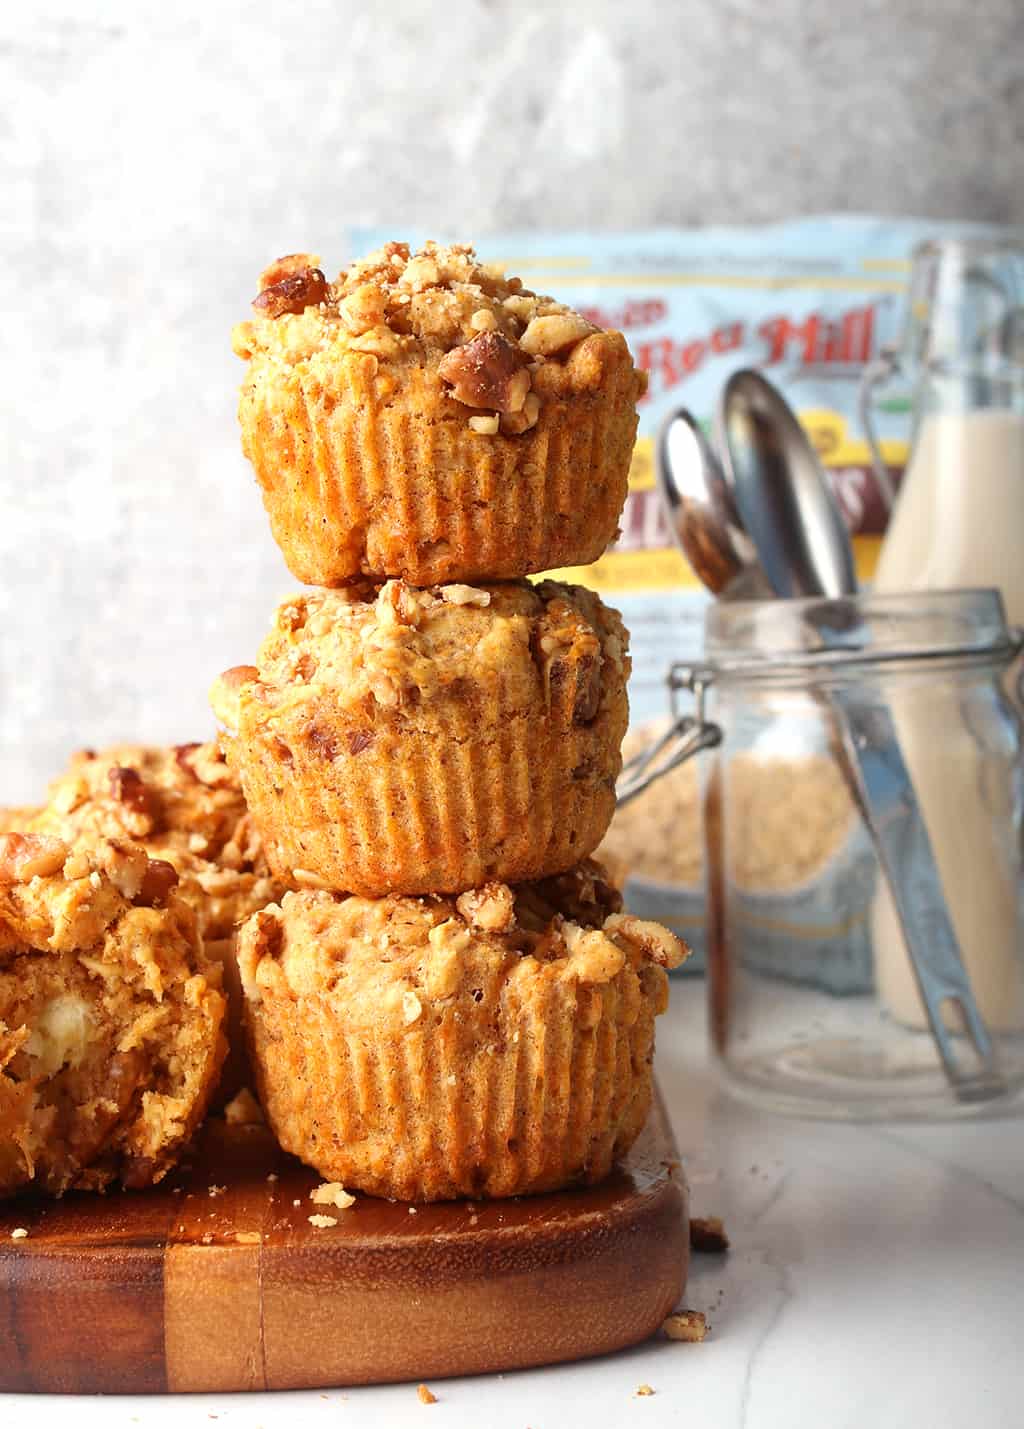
x: 959, y: 522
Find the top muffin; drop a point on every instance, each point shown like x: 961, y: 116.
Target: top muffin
x: 427, y: 418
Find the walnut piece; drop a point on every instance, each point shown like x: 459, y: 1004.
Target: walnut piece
x: 27, y: 856
x: 225, y: 692
x: 491, y: 907
x: 287, y: 267
x: 294, y: 294
x: 489, y: 372
x: 128, y: 788
x: 157, y: 881
x: 555, y: 333
x: 654, y: 941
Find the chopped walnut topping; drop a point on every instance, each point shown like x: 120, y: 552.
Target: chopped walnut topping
x: 332, y: 1193
x: 655, y: 941
x: 689, y: 1325
x: 294, y: 294
x: 287, y: 267
x: 364, y: 309
x: 707, y: 1234
x: 27, y: 856
x: 513, y: 424
x: 157, y: 881
x: 485, y: 426
x: 487, y: 372
x: 420, y: 272
x: 483, y: 320
x: 225, y: 692
x: 448, y: 935
x: 412, y: 1008
x: 491, y: 907
x: 457, y: 594
x: 554, y: 333
x: 322, y: 1223
x: 128, y: 788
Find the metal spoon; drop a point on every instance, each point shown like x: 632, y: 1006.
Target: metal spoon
x: 781, y: 493
x: 787, y: 505
x: 701, y: 512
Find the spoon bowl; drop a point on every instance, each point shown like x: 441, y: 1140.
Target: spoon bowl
x: 701, y: 513
x: 781, y: 494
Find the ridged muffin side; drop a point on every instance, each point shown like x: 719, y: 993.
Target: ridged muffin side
x: 422, y: 741
x: 496, y: 1044
x: 443, y: 422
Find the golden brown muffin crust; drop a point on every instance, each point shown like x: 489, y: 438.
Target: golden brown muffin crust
x: 110, y: 1017
x: 485, y: 1044
x: 391, y: 738
x: 444, y: 422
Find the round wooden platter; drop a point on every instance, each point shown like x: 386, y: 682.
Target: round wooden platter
x: 216, y: 1280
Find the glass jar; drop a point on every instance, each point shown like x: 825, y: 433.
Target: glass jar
x: 814, y: 1006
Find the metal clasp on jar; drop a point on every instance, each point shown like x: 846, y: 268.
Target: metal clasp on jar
x: 687, y: 735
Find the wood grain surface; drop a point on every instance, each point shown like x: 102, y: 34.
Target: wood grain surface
x: 216, y: 1280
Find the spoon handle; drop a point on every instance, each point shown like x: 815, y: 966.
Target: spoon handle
x: 907, y: 860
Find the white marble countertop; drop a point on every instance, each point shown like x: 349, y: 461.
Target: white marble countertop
x: 876, y: 1279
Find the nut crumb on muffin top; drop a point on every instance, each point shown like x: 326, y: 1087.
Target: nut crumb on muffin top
x: 400, y: 647
x: 391, y: 959
x: 498, y: 347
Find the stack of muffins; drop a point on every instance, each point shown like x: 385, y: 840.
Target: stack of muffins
x: 449, y: 1002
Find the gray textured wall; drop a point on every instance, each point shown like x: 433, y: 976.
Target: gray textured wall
x: 153, y: 156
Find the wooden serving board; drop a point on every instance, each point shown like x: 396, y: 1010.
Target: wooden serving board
x: 189, y: 1288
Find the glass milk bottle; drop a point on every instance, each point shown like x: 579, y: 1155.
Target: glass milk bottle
x: 958, y: 522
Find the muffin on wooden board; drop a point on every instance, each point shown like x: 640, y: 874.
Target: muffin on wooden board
x: 494, y: 1044
x: 110, y: 1017
x: 425, y: 417
x: 392, y: 739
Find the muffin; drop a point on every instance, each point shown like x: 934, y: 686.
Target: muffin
x: 110, y: 1018
x: 183, y: 804
x: 427, y: 741
x: 427, y: 418
x: 494, y: 1044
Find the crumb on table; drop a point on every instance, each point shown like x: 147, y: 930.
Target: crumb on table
x: 644, y: 1389
x: 331, y: 1193
x: 688, y: 1325
x: 425, y: 1395
x: 707, y: 1233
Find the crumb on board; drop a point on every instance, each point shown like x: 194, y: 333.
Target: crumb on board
x: 243, y: 1110
x: 412, y: 1210
x: 331, y: 1193
x: 272, y: 1177
x: 707, y: 1233
x: 425, y: 1395
x: 247, y: 1237
x: 216, y: 1191
x: 644, y: 1389
x: 296, y: 1203
x: 688, y: 1325
x: 322, y: 1223
x: 19, y: 1233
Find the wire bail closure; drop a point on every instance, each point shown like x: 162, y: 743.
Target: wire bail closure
x: 688, y: 734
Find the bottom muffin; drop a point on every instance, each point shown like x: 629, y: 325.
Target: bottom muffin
x: 497, y: 1043
x: 110, y: 1021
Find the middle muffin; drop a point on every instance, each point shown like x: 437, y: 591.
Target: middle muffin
x: 428, y: 741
